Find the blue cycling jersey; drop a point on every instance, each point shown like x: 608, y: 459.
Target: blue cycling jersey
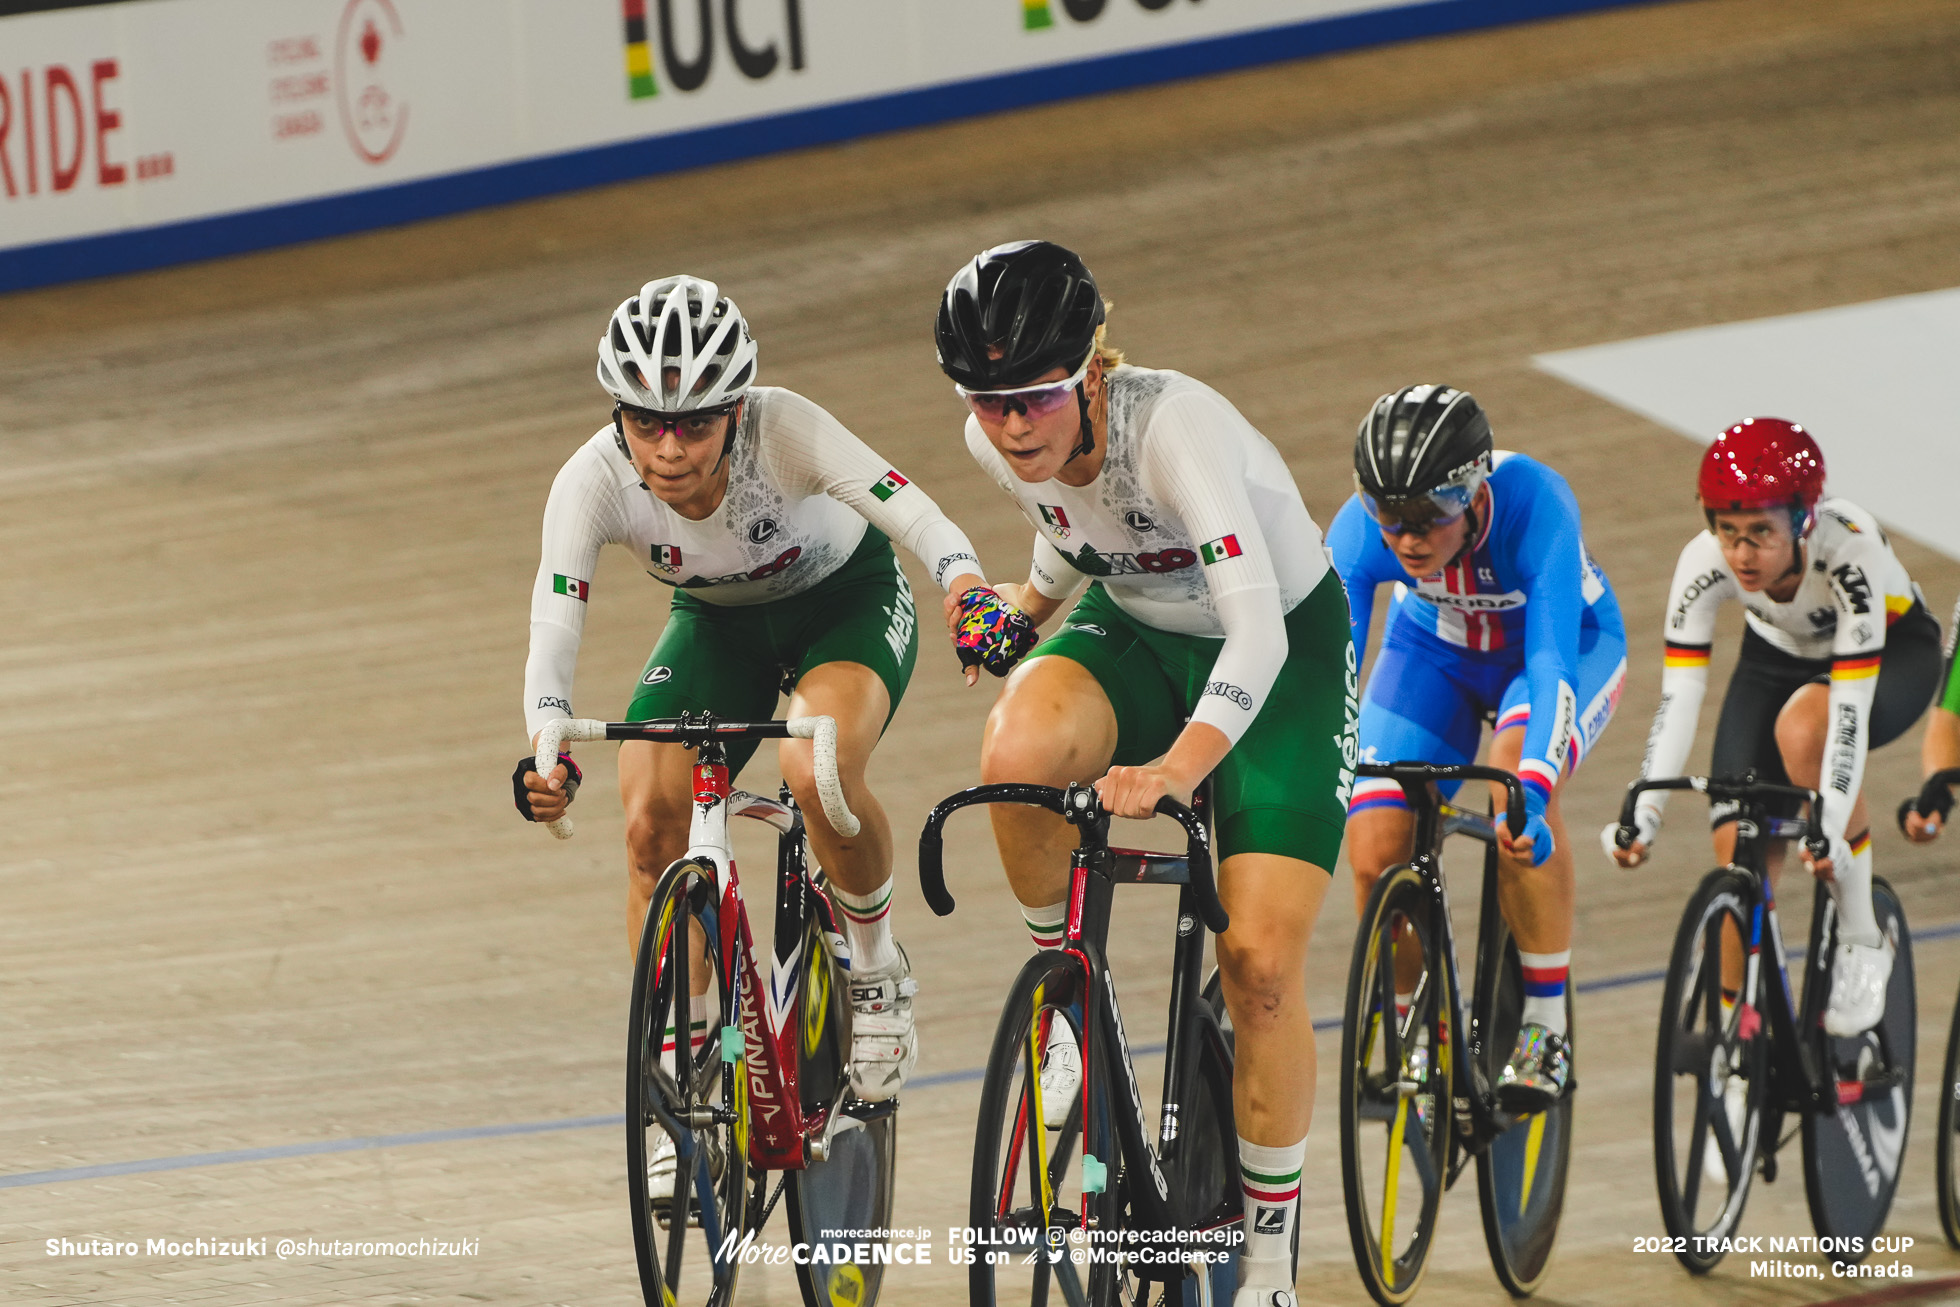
x: 1524, y: 595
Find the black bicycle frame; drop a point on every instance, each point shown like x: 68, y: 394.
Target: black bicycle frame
x: 1095, y: 869
x: 1803, y: 1085
x: 1479, y: 1118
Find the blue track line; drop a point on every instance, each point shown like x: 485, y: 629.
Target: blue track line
x: 232, y: 1157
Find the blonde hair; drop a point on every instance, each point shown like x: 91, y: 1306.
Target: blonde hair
x: 1111, y: 355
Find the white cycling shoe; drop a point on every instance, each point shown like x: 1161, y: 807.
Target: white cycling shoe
x: 1859, y: 975
x: 884, y: 1042
x: 1252, y: 1295
x: 1061, y: 1073
x: 1735, y: 1106
x: 660, y: 1171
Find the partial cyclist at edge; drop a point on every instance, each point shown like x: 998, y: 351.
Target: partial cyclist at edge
x: 1940, y: 750
x: 774, y: 525
x: 1210, y: 598
x: 1839, y: 656
x: 1500, y: 614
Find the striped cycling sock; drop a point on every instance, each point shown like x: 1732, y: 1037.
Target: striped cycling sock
x: 1270, y: 1178
x: 1046, y: 926
x: 868, y: 926
x: 1544, y: 988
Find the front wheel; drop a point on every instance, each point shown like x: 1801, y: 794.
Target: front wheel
x: 1852, y: 1149
x: 1045, y: 1153
x: 1949, y: 1122
x: 1709, y: 1073
x: 1395, y: 1086
x: 693, y: 1192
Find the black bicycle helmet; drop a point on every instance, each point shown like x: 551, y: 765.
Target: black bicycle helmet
x: 1032, y: 301
x: 1420, y: 440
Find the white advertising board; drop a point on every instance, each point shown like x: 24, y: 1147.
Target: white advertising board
x: 137, y: 116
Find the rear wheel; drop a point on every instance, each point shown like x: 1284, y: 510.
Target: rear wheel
x: 1709, y: 1069
x: 1521, y: 1176
x: 834, y: 1199
x: 691, y: 1101
x: 1395, y: 1086
x: 1851, y: 1153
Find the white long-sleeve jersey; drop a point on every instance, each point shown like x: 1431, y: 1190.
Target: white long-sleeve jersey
x: 1193, y: 525
x: 800, y: 489
x: 1853, y: 589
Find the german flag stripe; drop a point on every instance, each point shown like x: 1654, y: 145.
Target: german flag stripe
x: 1686, y: 655
x: 1855, y: 669
x: 1862, y: 843
x: 1896, y: 606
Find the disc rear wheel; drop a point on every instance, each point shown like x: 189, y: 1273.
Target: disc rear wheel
x: 1852, y: 1153
x: 836, y: 1198
x: 1521, y: 1176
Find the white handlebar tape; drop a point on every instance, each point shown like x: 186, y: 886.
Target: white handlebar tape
x: 822, y: 734
x: 557, y: 733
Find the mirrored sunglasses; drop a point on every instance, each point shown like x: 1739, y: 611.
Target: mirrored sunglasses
x: 1037, y: 401
x: 1419, y: 514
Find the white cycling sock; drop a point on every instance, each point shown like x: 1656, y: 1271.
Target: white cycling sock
x: 1545, y: 975
x: 1270, y: 1178
x: 868, y: 926
x: 1851, y: 890
x: 1046, y: 926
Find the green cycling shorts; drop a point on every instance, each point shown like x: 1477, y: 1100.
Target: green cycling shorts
x: 1284, y: 787
x: 733, y: 661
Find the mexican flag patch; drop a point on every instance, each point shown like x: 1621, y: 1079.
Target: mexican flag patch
x: 667, y: 555
x: 889, y: 484
x: 1217, y: 551
x: 570, y: 585
x: 1053, y: 515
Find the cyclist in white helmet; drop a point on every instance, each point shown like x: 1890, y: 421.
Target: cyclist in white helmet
x: 774, y: 526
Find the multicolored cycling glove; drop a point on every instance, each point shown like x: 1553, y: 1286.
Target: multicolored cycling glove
x: 992, y: 633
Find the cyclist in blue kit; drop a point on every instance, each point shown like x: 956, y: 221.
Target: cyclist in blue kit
x: 1499, y: 615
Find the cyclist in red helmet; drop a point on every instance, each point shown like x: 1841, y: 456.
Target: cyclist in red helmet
x: 1839, y: 656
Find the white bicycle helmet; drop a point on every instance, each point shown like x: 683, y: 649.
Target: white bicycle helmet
x: 682, y: 324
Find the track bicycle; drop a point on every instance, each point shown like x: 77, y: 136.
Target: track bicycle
x: 766, y: 1085
x: 1420, y: 1064
x: 1737, y: 1052
x: 1073, y: 1201
x: 1929, y: 801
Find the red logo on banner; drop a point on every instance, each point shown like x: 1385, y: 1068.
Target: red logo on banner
x: 367, y: 78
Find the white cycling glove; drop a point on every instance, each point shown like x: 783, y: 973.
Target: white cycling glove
x: 1646, y: 824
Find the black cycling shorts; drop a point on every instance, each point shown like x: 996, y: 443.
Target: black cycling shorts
x: 1765, y: 678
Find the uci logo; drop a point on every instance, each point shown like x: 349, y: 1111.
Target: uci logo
x: 655, y: 675
x: 685, y: 42
x: 761, y: 529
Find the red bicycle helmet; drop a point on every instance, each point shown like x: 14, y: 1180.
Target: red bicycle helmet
x: 1763, y: 463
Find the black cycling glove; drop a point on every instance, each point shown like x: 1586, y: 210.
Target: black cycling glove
x: 525, y: 766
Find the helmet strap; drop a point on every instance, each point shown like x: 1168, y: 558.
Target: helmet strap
x: 1087, y: 444
x: 728, y: 441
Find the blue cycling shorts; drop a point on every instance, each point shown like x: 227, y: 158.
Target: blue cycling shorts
x: 1427, y: 701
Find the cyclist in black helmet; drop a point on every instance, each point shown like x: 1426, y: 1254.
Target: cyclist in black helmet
x: 1499, y: 615
x: 1212, y: 640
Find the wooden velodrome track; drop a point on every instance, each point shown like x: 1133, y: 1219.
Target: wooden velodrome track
x: 270, y: 526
